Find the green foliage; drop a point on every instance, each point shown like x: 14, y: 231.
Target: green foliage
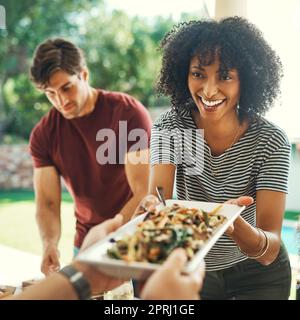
x: 122, y: 56
x: 29, y: 22
x: 121, y: 52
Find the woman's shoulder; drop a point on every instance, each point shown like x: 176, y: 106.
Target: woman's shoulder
x: 270, y: 132
x: 167, y: 120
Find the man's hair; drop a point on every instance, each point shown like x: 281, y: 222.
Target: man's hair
x: 53, y: 55
x: 238, y: 44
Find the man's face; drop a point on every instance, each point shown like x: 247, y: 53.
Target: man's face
x: 68, y: 93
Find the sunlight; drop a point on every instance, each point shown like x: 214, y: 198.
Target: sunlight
x: 157, y: 7
x: 281, y: 28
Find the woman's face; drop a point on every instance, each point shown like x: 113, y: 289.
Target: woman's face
x: 215, y: 94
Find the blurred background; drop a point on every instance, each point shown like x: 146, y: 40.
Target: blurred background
x: 120, y: 40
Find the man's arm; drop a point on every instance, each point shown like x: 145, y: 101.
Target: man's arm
x: 57, y: 286
x: 48, y: 198
x: 166, y: 283
x: 137, y: 173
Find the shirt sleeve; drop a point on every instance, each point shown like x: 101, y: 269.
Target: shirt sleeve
x: 39, y: 148
x: 139, y: 127
x: 274, y: 172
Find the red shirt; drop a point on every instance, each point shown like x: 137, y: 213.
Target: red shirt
x: 99, y: 190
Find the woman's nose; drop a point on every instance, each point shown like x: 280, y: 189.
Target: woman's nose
x: 210, y: 89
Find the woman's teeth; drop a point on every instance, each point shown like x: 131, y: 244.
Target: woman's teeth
x: 212, y: 103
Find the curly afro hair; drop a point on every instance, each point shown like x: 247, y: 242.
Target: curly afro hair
x: 238, y: 44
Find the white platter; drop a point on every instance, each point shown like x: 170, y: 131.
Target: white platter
x: 96, y: 254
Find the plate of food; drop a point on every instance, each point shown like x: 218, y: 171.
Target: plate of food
x: 140, y: 246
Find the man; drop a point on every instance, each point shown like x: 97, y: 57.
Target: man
x: 83, y: 139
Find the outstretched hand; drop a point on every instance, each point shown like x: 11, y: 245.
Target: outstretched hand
x: 147, y: 204
x: 98, y: 281
x: 241, y: 201
x: 168, y: 282
x: 101, y: 230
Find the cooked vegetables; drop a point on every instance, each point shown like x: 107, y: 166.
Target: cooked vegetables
x: 163, y: 231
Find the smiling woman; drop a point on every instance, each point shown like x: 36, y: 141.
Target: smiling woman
x: 222, y: 77
x: 215, y: 91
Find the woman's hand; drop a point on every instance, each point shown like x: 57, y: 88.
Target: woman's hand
x: 147, y: 204
x: 241, y: 201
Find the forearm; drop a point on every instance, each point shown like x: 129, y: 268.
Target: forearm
x: 54, y: 287
x: 49, y: 223
x: 129, y: 208
x: 58, y: 287
x: 248, y: 238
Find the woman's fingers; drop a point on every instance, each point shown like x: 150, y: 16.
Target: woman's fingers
x: 241, y: 201
x: 147, y: 204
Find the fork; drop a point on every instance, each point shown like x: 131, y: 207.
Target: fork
x: 161, y: 196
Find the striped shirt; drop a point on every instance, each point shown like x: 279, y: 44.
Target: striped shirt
x: 259, y: 160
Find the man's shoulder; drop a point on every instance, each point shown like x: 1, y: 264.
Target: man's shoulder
x: 46, y: 123
x: 121, y: 100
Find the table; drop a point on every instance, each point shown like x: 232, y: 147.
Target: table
x: 17, y: 266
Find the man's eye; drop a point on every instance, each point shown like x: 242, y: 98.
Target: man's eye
x: 65, y: 89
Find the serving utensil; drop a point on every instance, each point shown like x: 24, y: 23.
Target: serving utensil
x: 160, y: 194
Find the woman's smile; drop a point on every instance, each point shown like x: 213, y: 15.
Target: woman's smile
x: 211, y: 105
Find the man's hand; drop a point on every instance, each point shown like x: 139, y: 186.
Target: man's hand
x: 241, y: 201
x: 168, y: 283
x: 50, y: 261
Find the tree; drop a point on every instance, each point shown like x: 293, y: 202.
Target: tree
x: 121, y: 52
x: 29, y: 22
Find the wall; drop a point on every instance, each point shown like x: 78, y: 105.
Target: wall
x: 15, y: 167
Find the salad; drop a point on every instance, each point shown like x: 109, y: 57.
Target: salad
x: 162, y: 231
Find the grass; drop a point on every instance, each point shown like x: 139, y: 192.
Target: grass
x: 18, y: 228
x: 24, y: 195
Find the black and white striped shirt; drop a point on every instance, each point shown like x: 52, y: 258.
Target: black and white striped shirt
x: 259, y: 160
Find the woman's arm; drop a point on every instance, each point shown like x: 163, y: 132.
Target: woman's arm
x: 270, y: 206
x: 162, y: 175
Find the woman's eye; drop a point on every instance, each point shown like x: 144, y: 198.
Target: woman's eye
x: 225, y: 77
x: 197, y: 75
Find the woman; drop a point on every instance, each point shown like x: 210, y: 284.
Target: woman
x: 222, y: 77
